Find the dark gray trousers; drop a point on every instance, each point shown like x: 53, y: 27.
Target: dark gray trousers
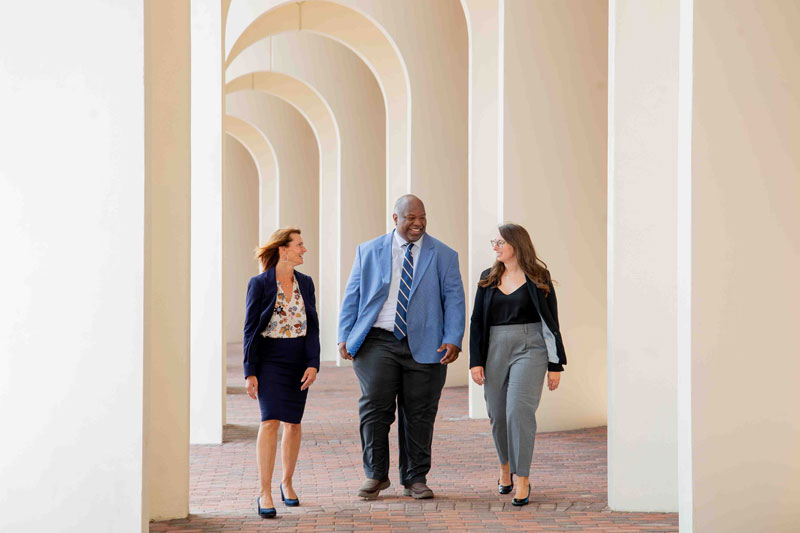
x: 390, y: 377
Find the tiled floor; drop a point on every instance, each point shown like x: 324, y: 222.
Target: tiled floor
x: 569, y: 477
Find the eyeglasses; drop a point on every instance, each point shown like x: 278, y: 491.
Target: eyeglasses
x: 497, y: 243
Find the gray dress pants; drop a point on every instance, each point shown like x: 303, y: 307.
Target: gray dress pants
x: 516, y: 365
x: 389, y: 376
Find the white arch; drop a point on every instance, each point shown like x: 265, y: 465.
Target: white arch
x: 374, y: 46
x: 317, y: 112
x: 263, y: 154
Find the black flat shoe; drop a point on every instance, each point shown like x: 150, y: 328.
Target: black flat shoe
x: 265, y: 512
x: 505, y: 489
x: 524, y: 501
x: 289, y: 501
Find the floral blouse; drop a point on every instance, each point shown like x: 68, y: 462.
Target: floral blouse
x: 289, y: 317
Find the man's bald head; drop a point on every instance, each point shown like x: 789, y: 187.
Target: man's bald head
x: 409, y: 217
x: 404, y: 202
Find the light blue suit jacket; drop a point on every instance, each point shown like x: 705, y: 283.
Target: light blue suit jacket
x: 436, y: 312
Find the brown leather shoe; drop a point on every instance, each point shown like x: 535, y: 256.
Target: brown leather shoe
x: 370, y: 489
x: 418, y: 490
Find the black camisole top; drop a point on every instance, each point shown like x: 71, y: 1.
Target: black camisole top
x: 514, y: 308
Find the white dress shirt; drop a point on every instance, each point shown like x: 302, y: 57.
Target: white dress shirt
x: 387, y: 313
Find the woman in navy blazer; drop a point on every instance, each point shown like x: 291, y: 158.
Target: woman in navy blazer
x: 281, y: 357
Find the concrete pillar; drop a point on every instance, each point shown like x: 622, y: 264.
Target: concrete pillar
x: 642, y: 250
x: 167, y: 258
x: 745, y: 256
x: 485, y: 22
x: 72, y: 212
x: 554, y: 181
x: 207, y: 335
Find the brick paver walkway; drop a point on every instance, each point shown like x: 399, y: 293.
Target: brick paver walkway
x: 569, y: 480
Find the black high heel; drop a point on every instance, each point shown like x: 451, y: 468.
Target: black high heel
x: 265, y: 512
x: 524, y: 501
x: 289, y: 501
x: 505, y: 489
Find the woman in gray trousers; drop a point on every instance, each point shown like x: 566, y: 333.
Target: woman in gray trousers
x: 514, y: 341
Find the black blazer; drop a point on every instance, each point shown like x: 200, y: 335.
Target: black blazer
x: 262, y: 292
x: 547, y: 305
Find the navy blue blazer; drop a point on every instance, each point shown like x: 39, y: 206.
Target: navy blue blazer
x: 262, y: 292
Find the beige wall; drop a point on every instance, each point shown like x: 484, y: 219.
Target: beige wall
x: 166, y: 270
x: 240, y: 232
x: 555, y: 181
x: 432, y: 39
x: 745, y: 258
x: 354, y: 97
x: 434, y: 51
x: 298, y: 159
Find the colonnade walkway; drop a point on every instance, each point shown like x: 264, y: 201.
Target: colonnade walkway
x: 569, y: 474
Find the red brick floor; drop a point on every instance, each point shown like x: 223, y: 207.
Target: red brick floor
x: 569, y: 479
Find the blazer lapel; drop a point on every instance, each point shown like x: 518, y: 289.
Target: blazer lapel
x: 304, y: 288
x: 385, y: 254
x: 487, y: 304
x: 270, y: 293
x: 426, y: 255
x: 533, y: 290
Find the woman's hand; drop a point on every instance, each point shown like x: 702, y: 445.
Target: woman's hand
x: 309, y: 377
x: 477, y: 374
x: 252, y: 386
x: 553, y: 379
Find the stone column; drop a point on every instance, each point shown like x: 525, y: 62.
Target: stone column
x: 208, y: 338
x: 167, y: 258
x: 642, y: 248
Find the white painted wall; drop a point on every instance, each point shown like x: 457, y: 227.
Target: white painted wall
x: 745, y: 258
x: 298, y: 159
x: 240, y: 235
x: 72, y: 211
x: 555, y: 181
x: 642, y: 228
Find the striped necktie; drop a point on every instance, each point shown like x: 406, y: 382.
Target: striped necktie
x: 406, y: 275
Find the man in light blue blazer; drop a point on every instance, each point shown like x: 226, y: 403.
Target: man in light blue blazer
x: 402, y: 322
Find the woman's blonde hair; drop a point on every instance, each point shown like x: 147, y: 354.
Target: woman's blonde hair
x: 268, y: 254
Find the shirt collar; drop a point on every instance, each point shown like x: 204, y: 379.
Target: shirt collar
x: 399, y: 241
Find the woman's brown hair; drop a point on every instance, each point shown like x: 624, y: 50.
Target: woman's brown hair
x: 518, y: 238
x: 268, y: 254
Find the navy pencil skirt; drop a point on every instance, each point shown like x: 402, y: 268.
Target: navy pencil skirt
x: 282, y: 363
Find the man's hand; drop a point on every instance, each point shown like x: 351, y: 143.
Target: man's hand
x: 343, y: 352
x: 477, y: 374
x: 309, y: 377
x: 553, y: 379
x: 450, y: 355
x: 251, y: 383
